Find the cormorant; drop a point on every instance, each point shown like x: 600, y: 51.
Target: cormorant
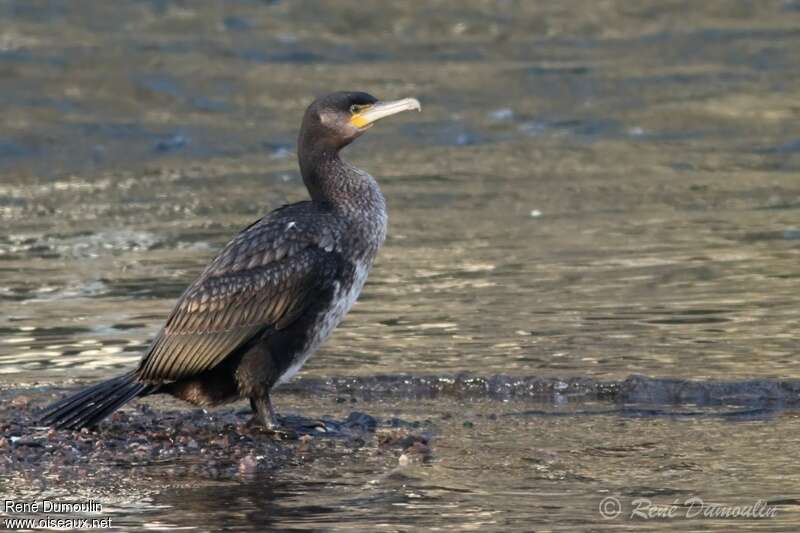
x: 274, y: 293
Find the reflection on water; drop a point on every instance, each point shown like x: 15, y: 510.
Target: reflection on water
x: 594, y: 190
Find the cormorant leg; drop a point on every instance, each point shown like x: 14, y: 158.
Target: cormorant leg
x: 262, y: 407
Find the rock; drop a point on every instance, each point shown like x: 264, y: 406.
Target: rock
x: 361, y: 421
x: 248, y: 465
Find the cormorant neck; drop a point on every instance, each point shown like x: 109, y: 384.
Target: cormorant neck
x: 334, y: 182
x: 319, y: 164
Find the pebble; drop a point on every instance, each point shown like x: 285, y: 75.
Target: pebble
x: 248, y: 465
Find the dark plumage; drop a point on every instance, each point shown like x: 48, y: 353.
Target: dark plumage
x: 274, y: 293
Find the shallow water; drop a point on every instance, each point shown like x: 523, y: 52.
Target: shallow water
x: 593, y: 190
x: 513, y: 467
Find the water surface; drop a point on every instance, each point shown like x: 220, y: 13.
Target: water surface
x: 593, y: 190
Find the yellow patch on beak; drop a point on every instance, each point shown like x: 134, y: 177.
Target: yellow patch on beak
x: 359, y: 121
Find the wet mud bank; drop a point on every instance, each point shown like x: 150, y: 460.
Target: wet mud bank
x: 153, y: 435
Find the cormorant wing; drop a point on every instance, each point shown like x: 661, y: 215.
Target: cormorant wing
x: 264, y: 278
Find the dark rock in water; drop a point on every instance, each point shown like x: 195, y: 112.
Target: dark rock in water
x: 361, y: 421
x: 172, y: 143
x: 417, y: 452
x: 400, y: 423
x: 416, y: 448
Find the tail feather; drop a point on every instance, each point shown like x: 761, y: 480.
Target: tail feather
x: 90, y: 406
x: 129, y: 393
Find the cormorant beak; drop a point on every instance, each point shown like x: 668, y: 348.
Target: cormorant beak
x: 367, y: 116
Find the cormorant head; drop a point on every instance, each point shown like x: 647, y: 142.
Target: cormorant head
x: 336, y: 119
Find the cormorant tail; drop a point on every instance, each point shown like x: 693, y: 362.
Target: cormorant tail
x: 91, y: 405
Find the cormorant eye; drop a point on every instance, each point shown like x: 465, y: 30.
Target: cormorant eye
x: 357, y: 108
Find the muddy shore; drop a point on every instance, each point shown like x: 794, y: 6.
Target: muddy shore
x: 217, y: 444
x: 225, y: 443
